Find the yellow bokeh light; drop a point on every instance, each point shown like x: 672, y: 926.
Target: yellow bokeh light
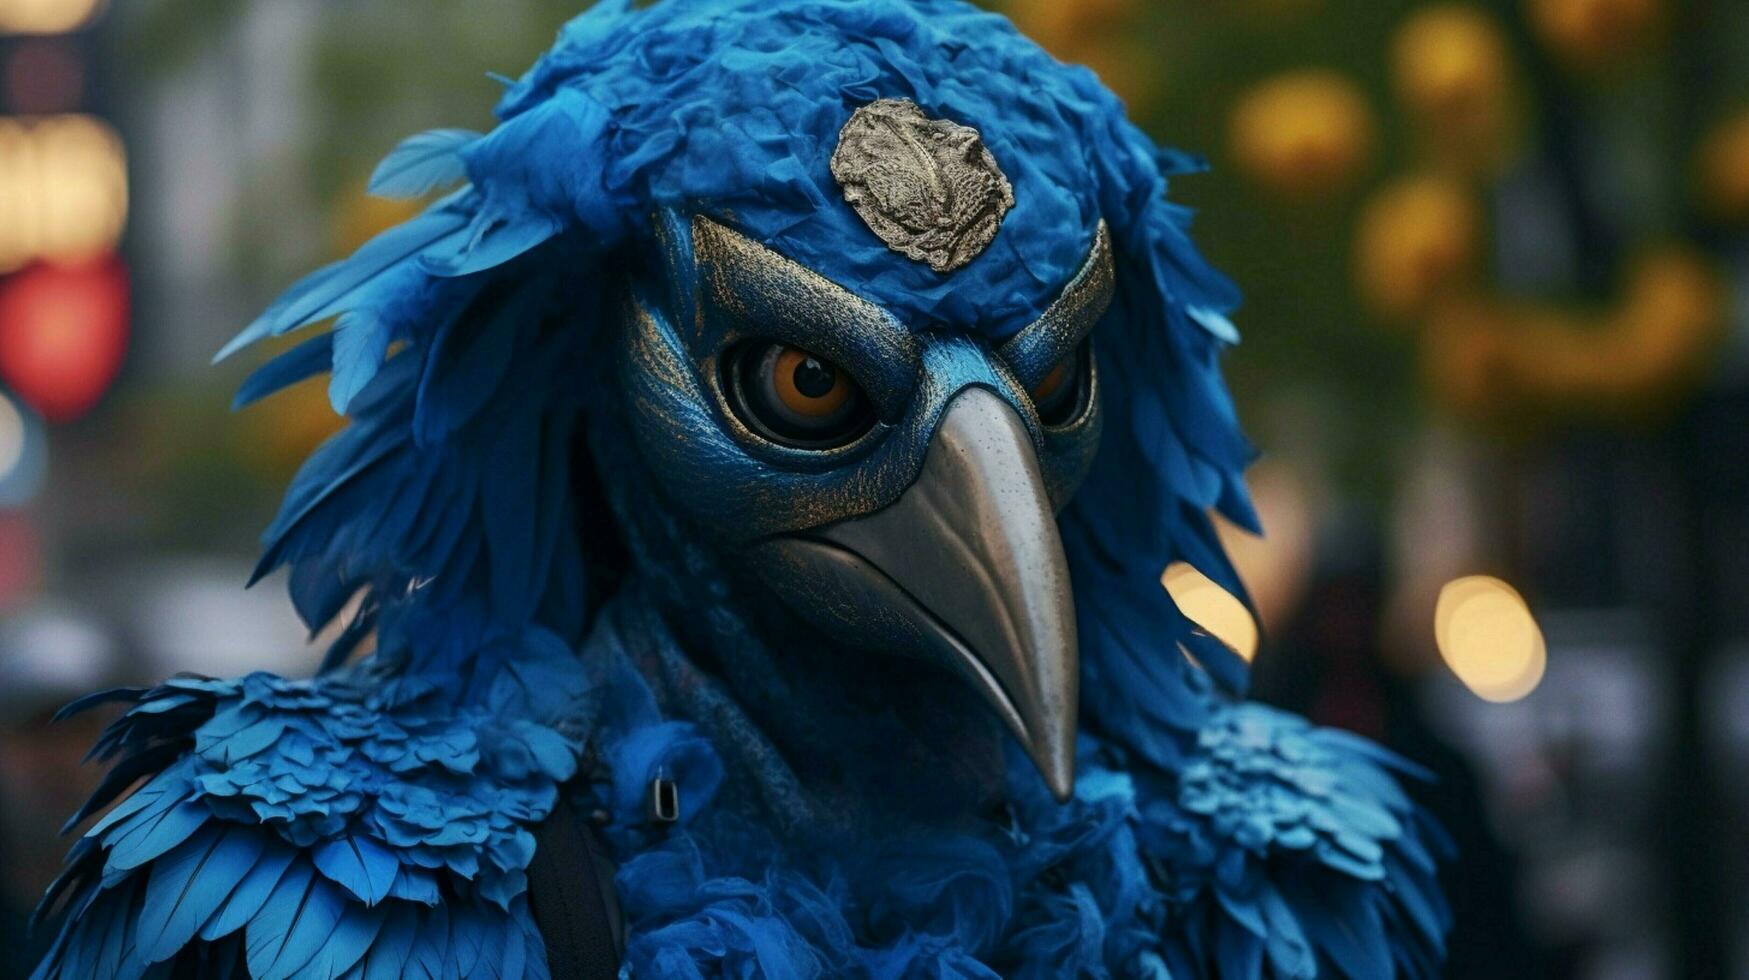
x: 1274, y: 568
x: 1489, y: 638
x: 63, y: 189
x: 1450, y: 62
x: 1596, y: 34
x: 1452, y: 69
x: 1053, y: 23
x: 1213, y: 608
x: 1305, y: 134
x: 1724, y: 170
x: 1418, y: 239
x: 46, y: 16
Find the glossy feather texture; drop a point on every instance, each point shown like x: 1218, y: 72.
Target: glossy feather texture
x: 374, y: 822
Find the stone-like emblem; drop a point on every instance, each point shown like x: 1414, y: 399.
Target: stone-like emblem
x: 928, y: 187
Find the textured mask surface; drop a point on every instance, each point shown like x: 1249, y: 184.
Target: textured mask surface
x: 928, y: 187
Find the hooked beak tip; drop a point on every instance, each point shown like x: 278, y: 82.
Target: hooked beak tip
x: 975, y: 544
x: 1057, y: 766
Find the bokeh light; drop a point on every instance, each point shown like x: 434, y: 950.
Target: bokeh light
x: 1305, y: 134
x: 1496, y: 358
x: 1595, y: 34
x: 63, y: 189
x: 1213, y: 608
x: 1103, y: 35
x: 11, y: 436
x: 1418, y: 239
x: 63, y: 335
x: 1724, y: 170
x: 46, y: 16
x: 1276, y: 567
x: 23, y: 455
x: 1489, y: 638
x: 1452, y: 72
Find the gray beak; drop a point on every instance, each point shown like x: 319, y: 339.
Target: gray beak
x: 967, y: 565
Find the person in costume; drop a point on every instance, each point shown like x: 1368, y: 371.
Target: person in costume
x: 760, y: 466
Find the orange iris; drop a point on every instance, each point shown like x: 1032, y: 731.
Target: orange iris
x: 1052, y: 382
x: 808, y: 386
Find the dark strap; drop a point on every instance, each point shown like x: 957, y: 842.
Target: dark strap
x: 571, y: 893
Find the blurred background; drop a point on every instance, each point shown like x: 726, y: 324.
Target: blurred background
x: 1496, y: 256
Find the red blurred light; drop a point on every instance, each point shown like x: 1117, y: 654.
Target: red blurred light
x: 63, y: 332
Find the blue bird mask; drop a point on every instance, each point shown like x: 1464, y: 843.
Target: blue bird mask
x: 848, y: 290
x: 896, y: 483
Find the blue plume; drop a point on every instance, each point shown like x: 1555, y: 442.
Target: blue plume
x: 308, y: 817
x: 306, y: 360
x: 360, y: 281
x: 423, y: 163
x: 300, y: 914
x: 359, y: 864
x: 188, y: 886
x: 245, y: 900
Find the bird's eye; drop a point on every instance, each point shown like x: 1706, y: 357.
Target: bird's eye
x: 794, y: 397
x: 1058, y: 396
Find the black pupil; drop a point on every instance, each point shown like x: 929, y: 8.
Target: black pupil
x: 813, y: 379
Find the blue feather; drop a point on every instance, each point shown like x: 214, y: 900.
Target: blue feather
x: 423, y: 163
x: 159, y: 795
x: 97, y: 699
x: 306, y: 360
x: 347, y: 944
x: 238, y: 732
x: 191, y: 883
x: 468, y: 361
x: 293, y: 924
x: 467, y: 933
x: 414, y: 885
x: 492, y: 239
x: 386, y: 958
x: 340, y: 287
x: 361, y: 342
x: 101, y: 952
x: 152, y: 833
x: 251, y: 893
x: 429, y: 952
x: 358, y: 864
x: 510, y: 520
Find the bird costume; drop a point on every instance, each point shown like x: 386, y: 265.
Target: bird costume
x: 765, y: 452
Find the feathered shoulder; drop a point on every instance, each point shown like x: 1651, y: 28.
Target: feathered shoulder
x: 362, y: 824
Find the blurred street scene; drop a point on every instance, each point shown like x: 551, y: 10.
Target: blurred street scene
x: 1496, y: 360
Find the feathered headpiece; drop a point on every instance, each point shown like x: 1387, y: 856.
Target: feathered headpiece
x: 464, y: 335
